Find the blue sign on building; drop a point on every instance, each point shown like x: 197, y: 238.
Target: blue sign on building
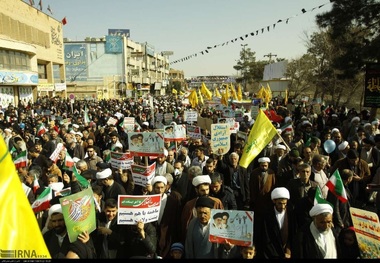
x: 114, y: 44
x: 76, y: 62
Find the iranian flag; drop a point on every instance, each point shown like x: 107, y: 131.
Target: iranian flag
x: 21, y: 160
x: 41, y: 129
x: 43, y: 201
x: 335, y: 185
x: 69, y: 162
x: 36, y: 184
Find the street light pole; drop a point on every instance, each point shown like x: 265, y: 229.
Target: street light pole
x: 244, y: 66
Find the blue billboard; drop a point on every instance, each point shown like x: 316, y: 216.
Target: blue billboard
x: 76, y: 62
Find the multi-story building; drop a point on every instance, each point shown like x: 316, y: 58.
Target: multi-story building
x: 114, y: 66
x: 35, y: 60
x: 31, y: 54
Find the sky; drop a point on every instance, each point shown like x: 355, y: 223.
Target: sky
x: 187, y: 28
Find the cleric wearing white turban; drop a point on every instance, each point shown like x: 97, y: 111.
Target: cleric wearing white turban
x: 320, y: 209
x: 104, y: 174
x: 159, y: 179
x: 264, y: 160
x: 280, y: 193
x: 201, y: 179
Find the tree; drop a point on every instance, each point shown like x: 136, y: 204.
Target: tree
x: 251, y: 70
x: 359, y: 19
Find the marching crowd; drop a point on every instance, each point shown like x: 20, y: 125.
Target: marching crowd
x: 279, y: 185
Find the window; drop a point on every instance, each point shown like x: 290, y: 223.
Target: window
x: 15, y: 60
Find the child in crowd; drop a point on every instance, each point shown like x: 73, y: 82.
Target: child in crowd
x: 177, y: 251
x: 349, y: 244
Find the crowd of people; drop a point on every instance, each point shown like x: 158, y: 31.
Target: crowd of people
x: 279, y: 185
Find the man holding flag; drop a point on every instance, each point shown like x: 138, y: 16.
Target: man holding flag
x: 339, y: 196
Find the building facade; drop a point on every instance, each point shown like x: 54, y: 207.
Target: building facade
x: 31, y: 54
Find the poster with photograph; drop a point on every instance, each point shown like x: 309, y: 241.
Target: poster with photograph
x: 236, y: 226
x: 146, y: 143
x: 175, y: 133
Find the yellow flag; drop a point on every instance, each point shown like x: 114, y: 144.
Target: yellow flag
x: 174, y: 91
x: 225, y: 97
x: 205, y: 91
x: 233, y: 92
x: 239, y: 93
x: 268, y: 93
x: 217, y: 93
x: 20, y: 235
x: 193, y: 98
x: 261, y: 93
x: 200, y: 97
x: 260, y: 135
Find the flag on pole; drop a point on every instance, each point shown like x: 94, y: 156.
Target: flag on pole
x: 217, y: 93
x: 82, y: 181
x: 40, y: 4
x: 318, y: 199
x: 21, y: 160
x: 50, y: 10
x: 36, y: 184
x: 69, y: 162
x: 43, y: 201
x: 64, y: 21
x: 205, y: 91
x: 233, y: 92
x: 260, y: 135
x: 193, y: 98
x: 225, y: 97
x: 17, y: 240
x: 200, y: 97
x: 335, y: 185
x: 31, y: 2
x: 41, y: 129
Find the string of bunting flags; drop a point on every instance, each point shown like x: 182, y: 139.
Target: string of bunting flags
x: 243, y: 37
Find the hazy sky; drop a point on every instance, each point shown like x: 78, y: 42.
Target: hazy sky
x: 189, y: 27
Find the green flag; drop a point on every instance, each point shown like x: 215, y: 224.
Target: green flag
x: 318, y: 199
x: 82, y: 181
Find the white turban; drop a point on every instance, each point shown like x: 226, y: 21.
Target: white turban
x: 76, y: 126
x: 104, y: 174
x: 8, y: 130
x: 287, y: 119
x: 159, y: 179
x: 201, y: 179
x: 334, y: 130
x: 343, y: 145
x: 280, y: 146
x: 280, y: 193
x: 320, y: 209
x: 355, y: 119
x: 264, y: 160
x: 80, y: 134
x: 57, y: 208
